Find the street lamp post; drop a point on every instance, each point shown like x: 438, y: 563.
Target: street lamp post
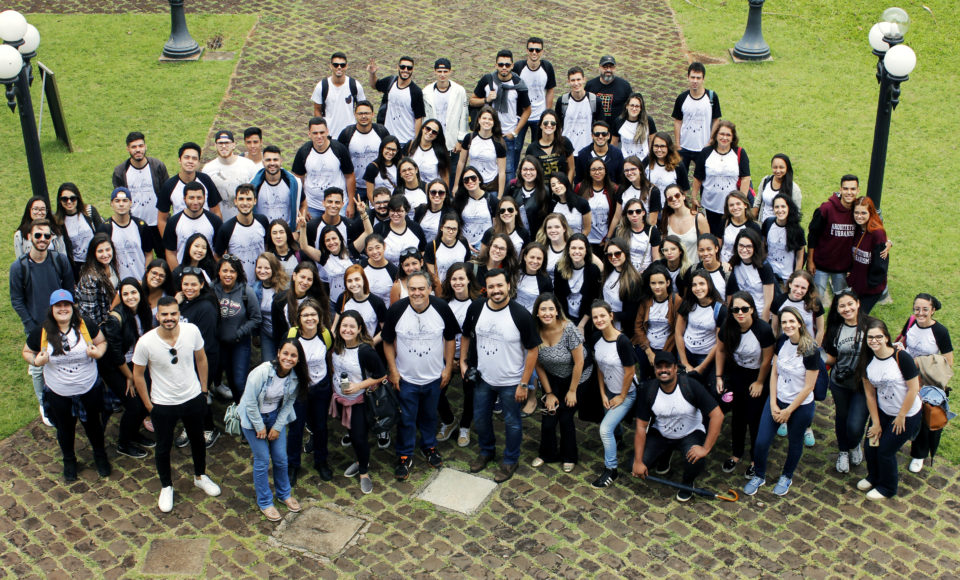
x: 895, y: 62
x: 180, y: 45
x: 20, y: 43
x: 752, y: 46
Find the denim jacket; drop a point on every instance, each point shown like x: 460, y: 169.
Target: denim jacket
x: 254, y: 393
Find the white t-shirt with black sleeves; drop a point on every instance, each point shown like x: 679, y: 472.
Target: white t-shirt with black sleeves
x: 697, y: 116
x: 246, y: 242
x: 783, y: 300
x: 363, y: 148
x: 227, y: 177
x: 404, y: 107
x: 419, y: 338
x: 181, y: 227
x: 482, y: 153
x: 658, y: 324
x: 612, y: 357
x: 381, y: 279
x: 718, y: 173
x: 889, y: 376
x: 538, y: 82
x: 322, y: 170
x: 749, y: 352
x: 792, y: 368
x: 577, y: 122
x: 641, y: 245
x: 443, y: 256
x: 315, y: 352
x: 781, y: 259
x: 500, y: 340
x: 747, y: 278
x: 477, y: 217
x: 517, y: 101
x: 700, y: 334
x: 359, y: 363
x: 372, y: 310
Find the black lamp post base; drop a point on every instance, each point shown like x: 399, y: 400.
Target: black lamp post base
x: 191, y: 57
x: 740, y: 58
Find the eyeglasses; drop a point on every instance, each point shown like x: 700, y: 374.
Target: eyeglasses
x: 615, y: 254
x: 634, y: 211
x: 437, y: 192
x: 548, y: 123
x: 597, y: 169
x: 68, y: 199
x: 630, y: 170
x: 471, y: 178
x: 397, y: 210
x: 449, y: 228
x: 338, y: 64
x: 875, y: 338
x: 504, y: 64
x: 531, y: 49
x: 744, y: 246
x: 601, y: 133
x: 506, y: 210
x: 39, y: 236
x: 173, y: 355
x: 410, y: 252
x: 405, y: 67
x: 659, y: 146
x: 740, y: 309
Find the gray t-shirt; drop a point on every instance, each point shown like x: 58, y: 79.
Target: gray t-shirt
x: 557, y: 360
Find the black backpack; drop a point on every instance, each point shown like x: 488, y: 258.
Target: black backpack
x: 384, y: 408
x: 325, y: 88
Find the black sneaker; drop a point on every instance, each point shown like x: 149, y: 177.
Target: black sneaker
x: 404, y: 463
x: 606, y: 478
x: 433, y: 457
x: 346, y: 441
x: 70, y: 470
x: 750, y: 472
x: 182, y: 440
x: 293, y: 473
x: 210, y: 437
x: 729, y: 465
x: 102, y: 463
x: 131, y: 451
x: 684, y: 495
x: 326, y: 474
x: 144, y: 441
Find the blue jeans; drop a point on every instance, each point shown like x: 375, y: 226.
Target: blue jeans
x: 484, y: 396
x: 610, y: 424
x: 798, y: 422
x: 418, y: 410
x: 882, y: 469
x: 837, y: 280
x: 851, y: 405
x: 268, y: 348
x: 235, y: 363
x: 514, y: 148
x: 315, y: 410
x: 36, y: 376
x: 263, y: 452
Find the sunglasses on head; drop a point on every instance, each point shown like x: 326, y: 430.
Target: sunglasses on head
x: 409, y: 253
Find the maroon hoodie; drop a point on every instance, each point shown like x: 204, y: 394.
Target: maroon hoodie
x: 833, y: 252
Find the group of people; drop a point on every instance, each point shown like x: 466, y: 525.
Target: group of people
x: 416, y: 246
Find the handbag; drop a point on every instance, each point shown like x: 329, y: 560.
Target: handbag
x: 231, y: 420
x: 384, y: 407
x: 934, y: 370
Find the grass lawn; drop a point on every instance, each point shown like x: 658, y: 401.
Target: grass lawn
x: 817, y: 101
x: 110, y: 83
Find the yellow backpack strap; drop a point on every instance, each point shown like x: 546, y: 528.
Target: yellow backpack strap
x: 292, y: 333
x: 43, y: 340
x: 327, y: 338
x: 85, y: 333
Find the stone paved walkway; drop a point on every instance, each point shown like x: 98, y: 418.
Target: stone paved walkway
x: 542, y: 523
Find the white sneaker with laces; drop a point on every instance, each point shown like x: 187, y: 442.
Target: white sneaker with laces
x: 856, y: 455
x: 446, y: 429
x: 207, y: 485
x: 224, y: 391
x: 843, y: 462
x: 915, y: 465
x: 166, y: 499
x: 463, y: 439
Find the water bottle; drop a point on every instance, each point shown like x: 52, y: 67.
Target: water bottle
x: 344, y: 382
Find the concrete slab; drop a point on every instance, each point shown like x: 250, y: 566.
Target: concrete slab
x: 458, y: 491
x: 180, y: 556
x: 319, y: 531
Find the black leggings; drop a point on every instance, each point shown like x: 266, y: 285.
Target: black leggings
x: 61, y: 411
x: 746, y: 409
x: 133, y: 409
x: 445, y: 410
x: 568, y: 430
x: 359, y: 434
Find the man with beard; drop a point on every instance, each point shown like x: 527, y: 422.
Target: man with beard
x: 362, y: 139
x: 674, y: 407
x: 243, y: 235
x: 612, y: 91
x: 278, y: 191
x: 144, y: 177
x: 131, y: 238
x: 508, y: 94
x: 322, y: 163
x: 193, y: 219
x: 501, y: 340
x: 403, y: 109
x: 335, y: 97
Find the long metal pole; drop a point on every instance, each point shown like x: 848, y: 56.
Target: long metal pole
x: 31, y: 139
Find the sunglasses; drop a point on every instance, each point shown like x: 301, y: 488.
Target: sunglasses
x: 470, y: 178
x: 193, y: 270
x: 614, y: 254
x: 430, y: 130
x: 548, y: 123
x: 68, y: 199
x: 739, y: 309
x: 675, y: 196
x: 634, y: 211
x: 230, y: 257
x: 504, y: 64
x: 601, y: 133
x: 534, y: 50
x: 405, y: 67
x: 173, y: 356
x: 506, y: 210
x: 437, y: 192
x: 39, y: 236
x: 338, y: 64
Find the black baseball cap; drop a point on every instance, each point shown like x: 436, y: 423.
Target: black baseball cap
x: 607, y: 59
x: 442, y: 63
x: 664, y: 357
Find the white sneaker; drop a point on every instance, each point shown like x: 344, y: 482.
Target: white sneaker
x: 856, y: 455
x: 915, y: 465
x: 166, y: 499
x: 864, y: 485
x: 43, y: 417
x: 207, y: 485
x: 843, y: 462
x: 224, y: 391
x: 464, y: 438
x: 875, y: 495
x: 445, y: 431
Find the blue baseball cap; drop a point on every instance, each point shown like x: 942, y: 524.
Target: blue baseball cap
x: 60, y: 296
x: 121, y: 191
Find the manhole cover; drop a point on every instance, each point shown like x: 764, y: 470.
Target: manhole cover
x: 458, y: 491
x: 319, y: 532
x: 176, y: 557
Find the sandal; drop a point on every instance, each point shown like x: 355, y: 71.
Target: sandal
x: 292, y: 504
x: 271, y: 514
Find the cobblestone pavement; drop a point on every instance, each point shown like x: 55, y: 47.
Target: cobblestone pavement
x: 542, y: 523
